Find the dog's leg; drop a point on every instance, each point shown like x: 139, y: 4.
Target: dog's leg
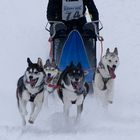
x: 32, y: 108
x: 22, y: 116
x: 109, y: 95
x: 104, y: 101
x: 23, y: 119
x: 79, y: 104
x: 66, y: 108
x: 23, y: 107
x: 35, y: 113
x: 37, y: 107
x: 79, y: 111
x: 22, y: 110
x: 98, y: 81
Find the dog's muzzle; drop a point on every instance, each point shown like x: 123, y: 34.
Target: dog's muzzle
x: 112, y: 71
x: 48, y: 78
x: 32, y: 81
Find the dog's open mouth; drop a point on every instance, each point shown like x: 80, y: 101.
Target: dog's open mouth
x: 76, y: 85
x: 33, y: 82
x: 49, y: 79
x: 112, y: 72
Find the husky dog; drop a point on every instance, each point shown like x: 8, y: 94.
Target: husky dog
x: 52, y: 76
x: 73, y: 88
x: 105, y: 75
x: 30, y: 87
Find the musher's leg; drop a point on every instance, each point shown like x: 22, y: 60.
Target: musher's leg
x: 89, y: 38
x: 57, y: 33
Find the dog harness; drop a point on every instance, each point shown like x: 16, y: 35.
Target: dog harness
x: 78, y: 92
x: 105, y: 80
x: 32, y: 96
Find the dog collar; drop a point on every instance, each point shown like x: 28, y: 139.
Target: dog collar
x: 53, y: 86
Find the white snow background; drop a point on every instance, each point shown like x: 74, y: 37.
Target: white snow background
x: 22, y: 35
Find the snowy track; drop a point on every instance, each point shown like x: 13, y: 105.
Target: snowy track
x: 22, y: 35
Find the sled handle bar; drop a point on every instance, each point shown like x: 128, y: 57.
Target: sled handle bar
x: 52, y: 22
x: 93, y: 22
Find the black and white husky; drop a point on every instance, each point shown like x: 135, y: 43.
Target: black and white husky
x: 30, y: 87
x: 52, y: 76
x: 105, y: 75
x: 73, y: 89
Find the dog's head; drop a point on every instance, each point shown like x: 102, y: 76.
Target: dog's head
x: 34, y: 74
x: 51, y: 71
x: 111, y: 62
x: 75, y: 74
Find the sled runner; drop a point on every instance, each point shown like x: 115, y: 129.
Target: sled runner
x: 74, y: 47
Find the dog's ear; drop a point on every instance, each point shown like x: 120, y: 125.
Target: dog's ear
x: 39, y: 62
x: 116, y: 51
x: 29, y: 61
x: 71, y: 64
x: 107, y: 51
x: 48, y: 63
x: 79, y: 66
x: 54, y: 64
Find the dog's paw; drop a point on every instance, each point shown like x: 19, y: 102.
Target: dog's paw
x: 111, y: 102
x: 31, y: 121
x: 23, y: 123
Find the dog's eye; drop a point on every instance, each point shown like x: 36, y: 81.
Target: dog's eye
x: 52, y: 69
x: 36, y: 72
x: 29, y: 72
x: 116, y: 61
x: 109, y: 61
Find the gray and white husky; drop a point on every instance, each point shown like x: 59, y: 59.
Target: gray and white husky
x: 105, y: 75
x: 30, y: 88
x: 52, y: 76
x: 73, y: 89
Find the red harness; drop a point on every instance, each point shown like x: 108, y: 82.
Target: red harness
x: 53, y: 86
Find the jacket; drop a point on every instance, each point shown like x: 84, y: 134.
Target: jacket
x: 54, y: 10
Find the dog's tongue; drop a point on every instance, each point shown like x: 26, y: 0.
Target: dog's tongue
x: 33, y: 82
x: 112, y: 73
x: 48, y: 79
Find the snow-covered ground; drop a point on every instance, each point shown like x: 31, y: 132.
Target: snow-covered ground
x: 22, y: 35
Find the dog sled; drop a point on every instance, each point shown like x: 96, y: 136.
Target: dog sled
x: 74, y: 47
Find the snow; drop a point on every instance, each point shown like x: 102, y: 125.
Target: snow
x: 22, y: 35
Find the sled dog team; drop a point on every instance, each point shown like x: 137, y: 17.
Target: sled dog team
x: 69, y: 84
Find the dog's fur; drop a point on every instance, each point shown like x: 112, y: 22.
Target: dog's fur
x: 105, y: 75
x: 30, y: 87
x: 52, y: 76
x: 73, y: 89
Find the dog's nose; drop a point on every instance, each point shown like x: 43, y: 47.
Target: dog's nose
x: 76, y: 79
x: 114, y: 66
x: 30, y: 77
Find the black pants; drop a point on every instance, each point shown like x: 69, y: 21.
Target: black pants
x: 75, y: 24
